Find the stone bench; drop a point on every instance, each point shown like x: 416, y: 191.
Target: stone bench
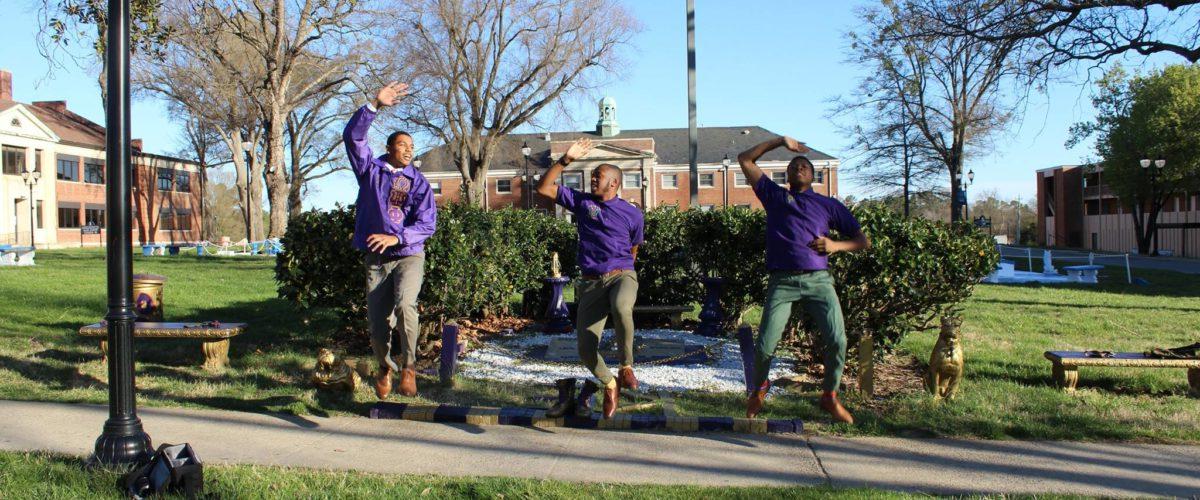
x: 1082, y: 274
x: 1067, y: 363
x: 16, y: 256
x: 674, y: 313
x: 215, y: 338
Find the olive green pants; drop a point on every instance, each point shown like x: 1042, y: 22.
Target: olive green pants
x: 815, y: 293
x: 613, y: 295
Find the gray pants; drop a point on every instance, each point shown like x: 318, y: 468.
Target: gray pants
x: 393, y: 284
x: 598, y: 299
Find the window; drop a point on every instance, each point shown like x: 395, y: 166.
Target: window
x: 166, y: 219
x: 165, y: 179
x: 670, y: 181
x: 38, y: 215
x: 503, y: 185
x: 14, y: 160
x: 67, y: 168
x: 739, y: 179
x: 183, y: 220
x: 706, y: 208
x: 743, y: 205
x: 819, y: 177
x: 436, y: 187
x: 183, y: 181
x: 93, y: 172
x: 632, y: 180
x: 68, y: 217
x: 706, y: 180
x: 93, y: 216
x: 37, y: 160
x: 779, y: 177
x: 573, y: 181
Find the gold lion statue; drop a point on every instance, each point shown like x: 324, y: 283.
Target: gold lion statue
x: 334, y: 374
x: 946, y: 361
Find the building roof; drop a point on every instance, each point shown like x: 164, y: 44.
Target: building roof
x: 670, y: 145
x: 4, y: 105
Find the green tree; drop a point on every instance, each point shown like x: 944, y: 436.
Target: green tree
x: 1151, y: 117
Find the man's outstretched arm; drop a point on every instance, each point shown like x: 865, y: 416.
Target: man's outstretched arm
x: 355, y: 134
x: 748, y: 159
x: 546, y: 186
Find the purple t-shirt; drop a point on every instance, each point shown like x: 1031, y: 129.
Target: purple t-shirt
x: 796, y: 219
x: 391, y: 201
x: 608, y: 230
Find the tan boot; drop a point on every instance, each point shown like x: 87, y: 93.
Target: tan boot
x: 754, y: 403
x: 625, y: 379
x: 408, y: 382
x: 383, y: 382
x: 831, y: 405
x: 610, y: 400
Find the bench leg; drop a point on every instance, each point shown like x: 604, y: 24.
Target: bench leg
x: 216, y: 354
x: 1065, y: 377
x: 1194, y: 382
x: 676, y: 320
x: 104, y: 350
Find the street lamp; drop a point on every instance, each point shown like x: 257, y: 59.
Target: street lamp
x: 725, y: 178
x: 525, y: 151
x: 967, y: 202
x: 247, y: 146
x: 417, y: 163
x: 1158, y: 165
x: 31, y: 180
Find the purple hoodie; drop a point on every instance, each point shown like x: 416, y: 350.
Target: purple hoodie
x: 391, y: 201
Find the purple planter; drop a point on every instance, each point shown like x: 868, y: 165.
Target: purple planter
x: 558, y: 320
x: 449, y: 355
x: 711, y: 314
x: 745, y: 336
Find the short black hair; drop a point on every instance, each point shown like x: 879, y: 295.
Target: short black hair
x: 803, y: 160
x: 392, y: 137
x: 614, y: 168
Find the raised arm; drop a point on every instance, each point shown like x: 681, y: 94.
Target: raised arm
x: 355, y: 134
x: 748, y: 159
x: 577, y: 150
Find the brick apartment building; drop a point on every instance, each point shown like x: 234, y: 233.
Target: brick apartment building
x: 1077, y: 209
x: 69, y: 152
x: 654, y: 163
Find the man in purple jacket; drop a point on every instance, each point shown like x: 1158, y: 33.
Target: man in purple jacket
x: 798, y: 249
x: 395, y: 215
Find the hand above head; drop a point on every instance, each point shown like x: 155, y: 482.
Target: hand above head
x: 390, y: 94
x: 578, y: 149
x: 379, y: 242
x: 794, y: 145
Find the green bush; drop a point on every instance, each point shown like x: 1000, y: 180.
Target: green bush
x: 664, y: 276
x: 320, y: 269
x: 731, y: 243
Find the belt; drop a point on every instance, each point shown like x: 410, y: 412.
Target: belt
x: 593, y: 277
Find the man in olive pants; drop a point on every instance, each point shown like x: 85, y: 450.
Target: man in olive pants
x: 798, y: 248
x: 395, y: 214
x: 610, y: 230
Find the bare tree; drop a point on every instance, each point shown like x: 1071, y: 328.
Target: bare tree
x: 314, y: 145
x: 950, y: 90
x: 1076, y: 30
x: 205, y: 146
x: 481, y: 68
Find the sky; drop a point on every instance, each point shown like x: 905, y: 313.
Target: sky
x: 775, y: 64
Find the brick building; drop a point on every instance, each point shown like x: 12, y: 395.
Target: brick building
x: 654, y: 163
x: 1077, y: 209
x: 69, y: 152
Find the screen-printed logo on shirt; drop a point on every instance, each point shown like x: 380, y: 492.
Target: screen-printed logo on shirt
x: 397, y: 196
x: 593, y: 210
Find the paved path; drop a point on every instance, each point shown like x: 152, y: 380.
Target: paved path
x: 396, y: 446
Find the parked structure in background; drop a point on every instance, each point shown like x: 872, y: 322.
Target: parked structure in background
x: 68, y: 150
x: 1077, y: 209
x: 654, y: 163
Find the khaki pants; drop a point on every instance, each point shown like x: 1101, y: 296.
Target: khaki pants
x: 393, y: 284
x: 598, y: 299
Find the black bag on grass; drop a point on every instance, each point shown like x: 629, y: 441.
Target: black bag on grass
x: 172, y: 469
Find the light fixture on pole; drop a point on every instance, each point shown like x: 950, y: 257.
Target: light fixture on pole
x: 525, y: 192
x: 31, y: 180
x: 417, y: 163
x: 725, y: 162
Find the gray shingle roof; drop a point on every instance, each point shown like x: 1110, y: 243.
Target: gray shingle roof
x: 670, y: 144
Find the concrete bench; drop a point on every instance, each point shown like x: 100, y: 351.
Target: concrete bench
x: 215, y: 338
x: 673, y: 313
x: 16, y: 256
x: 1082, y: 274
x: 1067, y: 363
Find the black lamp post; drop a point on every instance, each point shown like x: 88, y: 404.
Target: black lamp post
x: 31, y: 180
x: 246, y: 150
x: 966, y: 202
x: 1158, y: 165
x: 123, y: 441
x: 725, y: 179
x: 526, y: 151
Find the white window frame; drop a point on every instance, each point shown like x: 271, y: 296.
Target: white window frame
x: 674, y: 181
x: 819, y: 176
x: 783, y: 178
x: 712, y: 180
x: 577, y: 177
x: 435, y: 187
x: 739, y: 180
x: 707, y: 208
x: 507, y: 191
x: 636, y: 177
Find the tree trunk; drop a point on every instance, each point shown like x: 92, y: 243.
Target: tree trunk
x: 295, y: 204
x: 276, y: 178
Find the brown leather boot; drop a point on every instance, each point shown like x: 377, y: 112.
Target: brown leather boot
x: 408, y: 382
x: 831, y: 405
x: 383, y: 382
x: 625, y: 379
x: 610, y: 400
x: 754, y: 403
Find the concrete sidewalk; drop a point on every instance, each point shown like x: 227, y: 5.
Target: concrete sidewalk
x: 405, y: 447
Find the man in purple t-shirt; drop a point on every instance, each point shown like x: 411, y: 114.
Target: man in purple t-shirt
x: 798, y: 248
x: 395, y: 214
x: 610, y: 230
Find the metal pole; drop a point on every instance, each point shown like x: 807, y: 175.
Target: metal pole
x: 1128, y: 273
x: 693, y: 134
x: 123, y: 440
x: 32, y: 208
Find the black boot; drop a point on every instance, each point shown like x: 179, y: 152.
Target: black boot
x: 566, y: 398
x: 583, y: 404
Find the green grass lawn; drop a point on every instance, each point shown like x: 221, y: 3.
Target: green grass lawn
x: 1007, y: 392
x: 45, y: 475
